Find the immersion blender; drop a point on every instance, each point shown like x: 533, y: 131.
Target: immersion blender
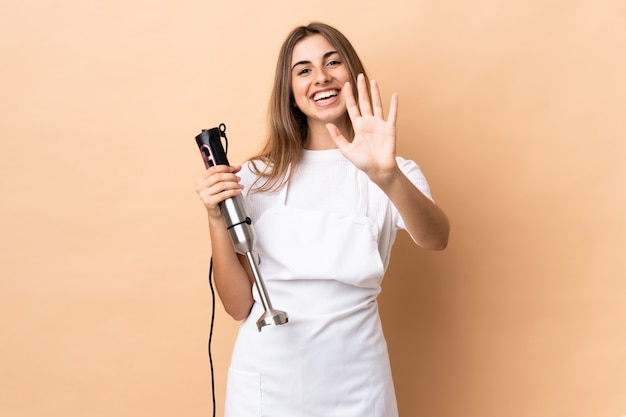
x: 238, y: 223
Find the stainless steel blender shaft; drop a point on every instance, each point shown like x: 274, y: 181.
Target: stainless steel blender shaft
x: 271, y: 316
x: 240, y: 228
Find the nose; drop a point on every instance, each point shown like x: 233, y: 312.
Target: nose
x: 322, y: 76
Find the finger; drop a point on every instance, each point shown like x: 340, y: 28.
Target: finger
x: 222, y: 190
x: 364, y: 97
x: 217, y: 194
x: 351, y: 106
x: 217, y: 182
x: 393, y: 110
x: 214, y: 194
x: 336, y: 136
x: 211, y: 177
x: 215, y: 169
x: 376, y: 100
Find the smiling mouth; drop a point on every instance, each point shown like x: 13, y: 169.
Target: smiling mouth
x: 324, y: 95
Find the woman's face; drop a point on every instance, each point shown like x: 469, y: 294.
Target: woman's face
x: 318, y: 75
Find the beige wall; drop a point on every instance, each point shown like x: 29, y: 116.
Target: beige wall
x: 515, y: 111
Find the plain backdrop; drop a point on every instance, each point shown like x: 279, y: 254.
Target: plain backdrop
x: 514, y: 110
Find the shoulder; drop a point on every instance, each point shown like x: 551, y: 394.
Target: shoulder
x: 250, y: 171
x: 255, y: 175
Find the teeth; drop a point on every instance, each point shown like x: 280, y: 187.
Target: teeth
x: 325, y: 94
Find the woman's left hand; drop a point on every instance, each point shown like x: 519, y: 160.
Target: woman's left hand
x: 373, y: 149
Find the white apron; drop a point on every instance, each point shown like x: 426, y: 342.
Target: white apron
x: 331, y: 359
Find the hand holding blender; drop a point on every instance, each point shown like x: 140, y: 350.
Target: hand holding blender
x: 238, y: 223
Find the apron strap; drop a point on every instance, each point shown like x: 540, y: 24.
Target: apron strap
x: 362, y: 192
x: 282, y: 197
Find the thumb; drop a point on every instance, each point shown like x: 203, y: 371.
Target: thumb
x: 336, y: 136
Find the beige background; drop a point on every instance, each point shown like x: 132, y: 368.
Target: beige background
x: 515, y: 111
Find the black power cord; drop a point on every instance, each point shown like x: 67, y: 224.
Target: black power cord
x: 211, y: 333
x: 222, y: 129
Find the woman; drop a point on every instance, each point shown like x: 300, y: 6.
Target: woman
x: 326, y: 194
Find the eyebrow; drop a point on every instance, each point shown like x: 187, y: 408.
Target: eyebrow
x: 326, y: 55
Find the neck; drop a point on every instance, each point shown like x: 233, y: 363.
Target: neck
x: 319, y: 139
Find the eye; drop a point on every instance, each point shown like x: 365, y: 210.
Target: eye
x: 303, y: 71
x: 333, y: 63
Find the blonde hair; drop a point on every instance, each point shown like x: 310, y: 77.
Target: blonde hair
x: 287, y: 126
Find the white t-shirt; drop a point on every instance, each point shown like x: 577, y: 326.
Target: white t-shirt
x: 327, y: 181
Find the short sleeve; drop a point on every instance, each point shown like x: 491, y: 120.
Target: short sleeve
x: 415, y: 175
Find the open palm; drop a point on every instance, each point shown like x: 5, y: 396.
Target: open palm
x: 373, y: 148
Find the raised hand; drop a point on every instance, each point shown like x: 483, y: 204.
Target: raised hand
x: 373, y: 148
